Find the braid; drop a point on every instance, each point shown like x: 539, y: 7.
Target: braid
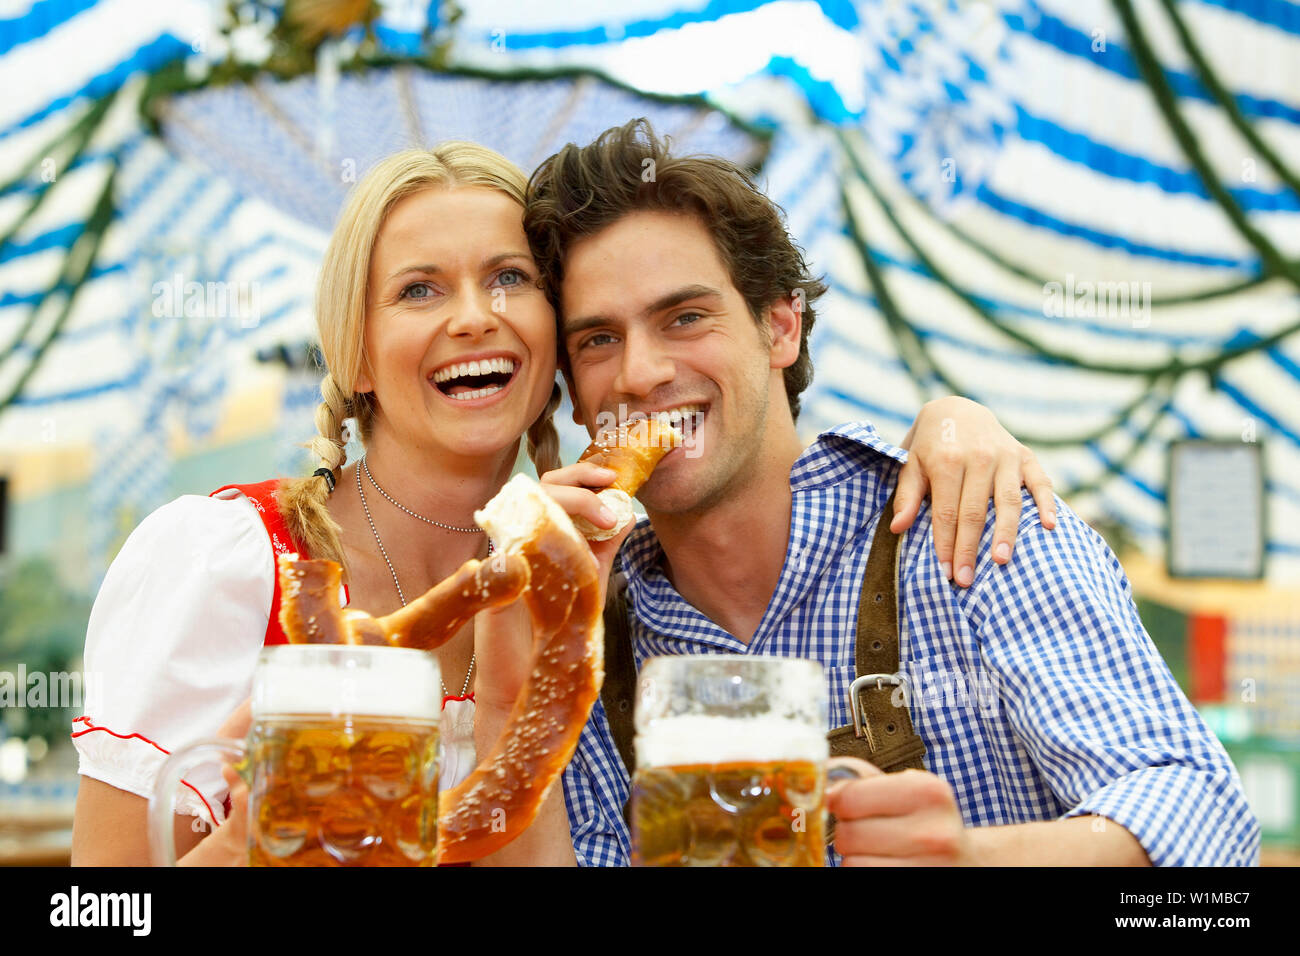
x: 543, y: 439
x: 303, y: 501
x: 330, y: 445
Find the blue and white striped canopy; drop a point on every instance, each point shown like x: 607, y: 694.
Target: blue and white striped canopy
x: 1010, y: 199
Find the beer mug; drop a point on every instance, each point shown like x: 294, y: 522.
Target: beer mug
x: 341, y: 759
x: 731, y: 758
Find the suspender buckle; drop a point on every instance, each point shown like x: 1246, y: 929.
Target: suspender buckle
x: 865, y: 682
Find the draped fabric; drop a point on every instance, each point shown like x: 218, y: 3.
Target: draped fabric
x: 1085, y: 215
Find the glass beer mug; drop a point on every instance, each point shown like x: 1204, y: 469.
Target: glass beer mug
x: 341, y: 759
x: 731, y: 755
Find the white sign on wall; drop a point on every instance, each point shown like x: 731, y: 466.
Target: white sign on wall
x: 1216, y: 509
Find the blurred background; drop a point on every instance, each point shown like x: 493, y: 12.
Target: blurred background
x: 1083, y: 214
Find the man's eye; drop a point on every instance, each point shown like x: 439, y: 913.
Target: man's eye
x: 600, y: 338
x: 688, y: 318
x: 417, y: 291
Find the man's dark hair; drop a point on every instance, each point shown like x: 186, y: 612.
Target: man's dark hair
x: 581, y: 190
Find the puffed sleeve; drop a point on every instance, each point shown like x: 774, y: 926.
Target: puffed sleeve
x: 171, y: 645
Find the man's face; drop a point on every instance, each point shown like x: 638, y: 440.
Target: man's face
x: 652, y: 323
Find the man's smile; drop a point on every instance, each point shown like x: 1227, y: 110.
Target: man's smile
x: 684, y: 417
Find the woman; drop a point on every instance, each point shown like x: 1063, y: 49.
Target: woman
x: 427, y: 271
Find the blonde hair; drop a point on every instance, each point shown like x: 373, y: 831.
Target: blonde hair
x: 340, y: 320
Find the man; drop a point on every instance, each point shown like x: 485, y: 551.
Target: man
x: 677, y: 287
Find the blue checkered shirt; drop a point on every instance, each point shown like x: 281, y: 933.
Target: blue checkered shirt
x: 1036, y: 691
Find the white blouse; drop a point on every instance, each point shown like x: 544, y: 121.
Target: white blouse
x: 171, y: 646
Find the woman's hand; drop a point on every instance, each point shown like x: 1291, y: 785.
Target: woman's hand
x: 575, y: 487
x: 503, y: 646
x: 961, y: 455
x: 227, y: 845
x: 503, y: 652
x: 111, y: 826
x: 503, y: 637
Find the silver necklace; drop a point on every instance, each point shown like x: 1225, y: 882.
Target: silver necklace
x: 391, y: 570
x: 396, y: 504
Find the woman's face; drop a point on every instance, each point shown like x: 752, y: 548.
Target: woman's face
x: 460, y: 340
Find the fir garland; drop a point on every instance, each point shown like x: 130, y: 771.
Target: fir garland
x: 70, y: 282
x: 1273, y: 261
x: 1227, y: 101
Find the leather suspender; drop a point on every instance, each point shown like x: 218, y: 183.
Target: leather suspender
x: 618, y: 692
x: 881, y: 732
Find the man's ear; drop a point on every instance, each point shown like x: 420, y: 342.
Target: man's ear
x: 573, y: 395
x: 784, y: 326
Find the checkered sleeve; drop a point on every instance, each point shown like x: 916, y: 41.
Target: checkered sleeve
x: 1095, y: 706
x: 595, y: 787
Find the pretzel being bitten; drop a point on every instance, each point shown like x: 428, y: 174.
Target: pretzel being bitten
x: 632, y: 450
x: 540, y: 555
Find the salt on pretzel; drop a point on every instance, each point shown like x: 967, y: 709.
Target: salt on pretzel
x: 632, y: 450
x: 540, y: 555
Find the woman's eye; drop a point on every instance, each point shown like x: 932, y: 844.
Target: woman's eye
x: 512, y: 277
x: 417, y: 291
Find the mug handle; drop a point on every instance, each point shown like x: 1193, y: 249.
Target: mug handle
x: 837, y: 774
x: 162, y: 836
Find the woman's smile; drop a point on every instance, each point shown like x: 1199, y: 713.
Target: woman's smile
x: 472, y: 381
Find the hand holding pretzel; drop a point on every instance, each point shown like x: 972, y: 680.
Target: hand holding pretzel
x: 597, y: 490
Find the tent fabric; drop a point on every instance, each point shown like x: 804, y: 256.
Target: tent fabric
x: 948, y: 165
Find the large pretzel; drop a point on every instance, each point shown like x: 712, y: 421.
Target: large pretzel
x: 539, y: 555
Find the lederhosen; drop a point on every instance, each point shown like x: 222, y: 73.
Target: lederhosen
x: 881, y: 732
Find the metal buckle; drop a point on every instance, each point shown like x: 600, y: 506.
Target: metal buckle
x: 856, y: 688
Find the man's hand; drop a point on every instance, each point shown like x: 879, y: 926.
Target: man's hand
x: 911, y: 819
x: 898, y: 819
x: 574, y: 488
x: 961, y: 455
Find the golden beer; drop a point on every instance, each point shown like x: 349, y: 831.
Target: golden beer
x: 730, y: 753
x: 729, y: 814
x: 341, y: 759
x: 353, y: 792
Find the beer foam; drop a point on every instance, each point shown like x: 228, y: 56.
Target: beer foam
x: 695, y: 739
x: 340, y: 680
